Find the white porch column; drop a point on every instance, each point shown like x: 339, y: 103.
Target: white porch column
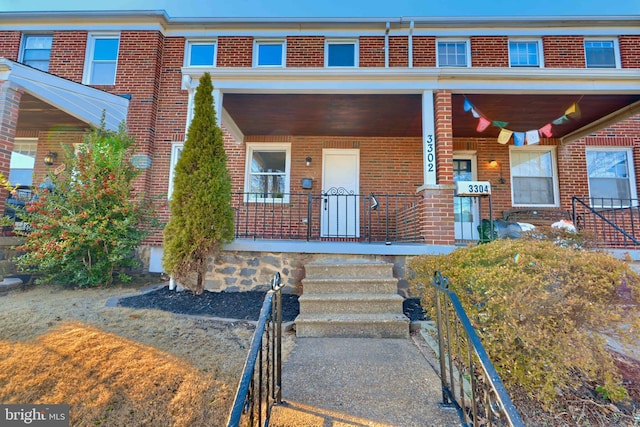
x: 428, y: 138
x: 217, y: 104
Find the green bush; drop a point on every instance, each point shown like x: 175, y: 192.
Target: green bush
x: 86, y: 222
x: 541, y: 311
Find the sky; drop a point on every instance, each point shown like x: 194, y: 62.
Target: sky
x: 343, y: 8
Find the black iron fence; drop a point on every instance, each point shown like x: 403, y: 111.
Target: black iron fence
x: 260, y: 386
x: 469, y: 380
x: 335, y: 215
x: 612, y: 222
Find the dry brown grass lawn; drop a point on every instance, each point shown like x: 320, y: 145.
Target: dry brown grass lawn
x: 117, y: 366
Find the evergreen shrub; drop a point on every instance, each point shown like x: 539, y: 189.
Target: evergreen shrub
x: 542, y: 311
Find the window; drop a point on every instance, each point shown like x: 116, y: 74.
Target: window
x: 176, y: 151
x: 600, y: 54
x: 102, y: 58
x: 341, y: 53
x: 269, y: 53
x: 268, y: 172
x: 452, y: 54
x: 23, y: 160
x: 610, y: 176
x: 36, y: 51
x: 524, y: 53
x: 533, y: 177
x: 201, y: 53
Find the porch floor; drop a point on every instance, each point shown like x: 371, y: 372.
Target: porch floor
x: 348, y: 248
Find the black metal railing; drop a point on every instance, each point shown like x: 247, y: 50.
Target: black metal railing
x: 469, y: 380
x: 260, y: 385
x: 336, y: 215
x: 612, y: 222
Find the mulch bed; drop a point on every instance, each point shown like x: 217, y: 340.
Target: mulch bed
x: 232, y: 305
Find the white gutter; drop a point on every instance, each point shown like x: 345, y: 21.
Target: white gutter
x: 411, y: 44
x: 386, y: 45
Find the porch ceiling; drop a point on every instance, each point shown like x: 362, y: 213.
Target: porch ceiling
x: 37, y: 115
x: 401, y: 115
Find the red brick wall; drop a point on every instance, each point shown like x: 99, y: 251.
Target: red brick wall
x: 629, y: 51
x: 10, y: 44
x: 9, y: 105
x: 424, y: 51
x: 563, y: 51
x: 235, y: 52
x: 53, y: 141
x: 67, y: 54
x: 372, y: 51
x: 305, y: 51
x: 437, y: 217
x: 444, y: 137
x: 490, y: 51
x: 399, y: 51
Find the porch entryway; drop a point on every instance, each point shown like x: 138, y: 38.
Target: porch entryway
x: 466, y: 209
x: 340, y: 213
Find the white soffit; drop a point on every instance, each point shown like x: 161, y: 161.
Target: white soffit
x: 82, y: 102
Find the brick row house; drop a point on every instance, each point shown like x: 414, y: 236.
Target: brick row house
x: 343, y: 136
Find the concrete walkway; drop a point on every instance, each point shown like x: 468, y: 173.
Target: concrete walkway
x: 361, y: 382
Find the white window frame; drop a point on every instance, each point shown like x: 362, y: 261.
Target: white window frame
x: 616, y: 51
x: 195, y: 42
x: 467, y: 52
x: 33, y: 143
x: 554, y: 174
x: 251, y: 147
x: 23, y: 47
x: 256, y: 52
x: 88, y: 61
x: 176, y: 148
x: 633, y: 192
x: 538, y: 43
x: 356, y: 52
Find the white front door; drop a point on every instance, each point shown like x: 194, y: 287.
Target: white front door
x: 465, y: 209
x: 340, y: 213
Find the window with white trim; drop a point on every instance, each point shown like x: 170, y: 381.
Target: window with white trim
x: 23, y: 160
x: 524, y: 53
x: 176, y: 151
x: 610, y: 172
x: 268, y: 172
x: 601, y: 53
x: 269, y: 53
x: 453, y: 53
x: 341, y: 53
x: 36, y: 50
x: 534, y: 180
x: 102, y: 59
x: 200, y: 53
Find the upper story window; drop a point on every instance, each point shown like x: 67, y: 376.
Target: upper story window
x: 102, y: 59
x: 601, y: 54
x: 534, y: 181
x: 36, y: 50
x: 341, y: 53
x: 453, y: 53
x: 524, y: 53
x: 611, y: 180
x: 201, y: 53
x: 269, y: 53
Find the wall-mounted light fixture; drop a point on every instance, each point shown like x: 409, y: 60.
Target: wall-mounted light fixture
x: 50, y: 158
x: 494, y: 164
x: 308, y: 159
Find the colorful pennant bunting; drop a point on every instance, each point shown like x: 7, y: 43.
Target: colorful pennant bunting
x: 505, y: 136
x: 560, y: 120
x: 533, y: 137
x: 518, y: 139
x: 467, y: 105
x: 475, y: 113
x: 482, y: 124
x: 546, y: 130
x: 499, y: 124
x: 573, y: 111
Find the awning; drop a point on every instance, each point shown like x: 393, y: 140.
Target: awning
x: 82, y: 102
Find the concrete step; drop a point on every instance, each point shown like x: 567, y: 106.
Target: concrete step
x: 352, y: 326
x: 350, y: 285
x: 324, y: 270
x: 329, y: 304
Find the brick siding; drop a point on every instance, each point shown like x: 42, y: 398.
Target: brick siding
x: 563, y: 51
x: 305, y: 51
x: 235, y: 52
x: 489, y: 51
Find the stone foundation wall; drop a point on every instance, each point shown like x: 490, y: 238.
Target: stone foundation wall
x: 239, y: 271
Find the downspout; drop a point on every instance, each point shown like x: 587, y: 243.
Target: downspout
x: 411, y: 44
x: 386, y: 45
